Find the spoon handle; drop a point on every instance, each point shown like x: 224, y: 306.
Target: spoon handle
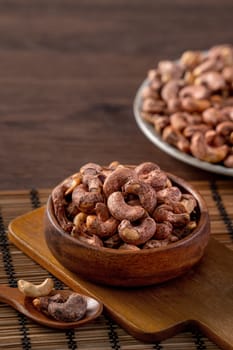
x: 12, y: 297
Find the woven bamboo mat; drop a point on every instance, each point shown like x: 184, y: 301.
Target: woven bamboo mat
x: 17, y: 332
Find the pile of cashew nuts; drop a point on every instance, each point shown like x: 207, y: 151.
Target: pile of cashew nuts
x: 63, y: 308
x: 190, y: 103
x: 124, y: 207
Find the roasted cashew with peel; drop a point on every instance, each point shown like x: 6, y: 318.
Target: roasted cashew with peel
x: 145, y: 192
x: 123, y: 207
x: 137, y: 234
x: 167, y: 212
x: 32, y: 290
x: 151, y: 173
x: 69, y: 309
x: 197, y: 92
x: 121, y: 210
x: 201, y: 150
x: 117, y: 179
x: 85, y: 200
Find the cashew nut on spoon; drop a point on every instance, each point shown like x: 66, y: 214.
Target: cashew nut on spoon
x: 71, y: 305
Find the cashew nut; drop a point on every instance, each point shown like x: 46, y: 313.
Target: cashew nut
x: 213, y: 80
x: 145, y: 192
x: 170, y: 194
x: 137, y: 234
x: 101, y: 228
x: 76, y: 180
x: 198, y: 92
x: 84, y: 200
x: 170, y: 90
x: 167, y: 212
x: 190, y: 59
x: 169, y: 70
x: 59, y: 205
x: 153, y: 106
x: 213, y: 116
x: 121, y: 210
x: 117, y: 179
x: 163, y: 230
x: 91, y: 177
x: 214, y: 139
x: 190, y: 104
x: 90, y: 239
x: 69, y: 309
x: 225, y: 128
x: 190, y: 130
x: 202, y: 151
x: 32, y: 290
x: 175, y: 138
x: 150, y: 173
x: 210, y: 64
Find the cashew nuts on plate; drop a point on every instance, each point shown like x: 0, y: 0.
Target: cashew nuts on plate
x: 190, y: 103
x: 123, y: 207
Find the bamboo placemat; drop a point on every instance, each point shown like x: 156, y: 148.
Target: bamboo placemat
x: 17, y: 332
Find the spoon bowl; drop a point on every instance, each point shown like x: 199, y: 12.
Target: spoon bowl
x: 14, y: 298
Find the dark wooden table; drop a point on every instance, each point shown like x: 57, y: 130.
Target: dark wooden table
x: 69, y: 71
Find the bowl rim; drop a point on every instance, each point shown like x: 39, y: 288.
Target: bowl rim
x: 203, y: 221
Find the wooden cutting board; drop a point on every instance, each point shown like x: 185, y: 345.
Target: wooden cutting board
x: 203, y: 297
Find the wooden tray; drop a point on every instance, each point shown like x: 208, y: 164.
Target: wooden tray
x: 203, y: 297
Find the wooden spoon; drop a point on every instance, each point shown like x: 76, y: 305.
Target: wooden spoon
x: 17, y: 300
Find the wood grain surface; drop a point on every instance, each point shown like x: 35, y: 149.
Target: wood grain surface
x: 69, y: 72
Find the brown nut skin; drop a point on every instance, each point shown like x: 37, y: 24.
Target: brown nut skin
x: 228, y: 111
x: 163, y: 230
x: 213, y: 80
x: 214, y: 139
x: 198, y: 92
x: 170, y: 90
x: 153, y: 106
x: 145, y: 192
x: 190, y: 130
x: 113, y: 241
x: 225, y: 128
x: 121, y: 210
x: 91, y: 177
x: 59, y: 205
x: 117, y: 179
x: 150, y: 173
x: 145, y: 168
x: 166, y: 212
x: 176, y: 138
x: 139, y: 234
x: 155, y: 243
x: 169, y: 70
x: 208, y: 64
x: 90, y: 239
x: 69, y: 310
x: 169, y: 194
x: 190, y: 104
x: 213, y: 116
x: 84, y: 200
x: 202, y: 151
x: 103, y: 229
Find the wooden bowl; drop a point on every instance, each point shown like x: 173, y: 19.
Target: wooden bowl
x: 130, y: 268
